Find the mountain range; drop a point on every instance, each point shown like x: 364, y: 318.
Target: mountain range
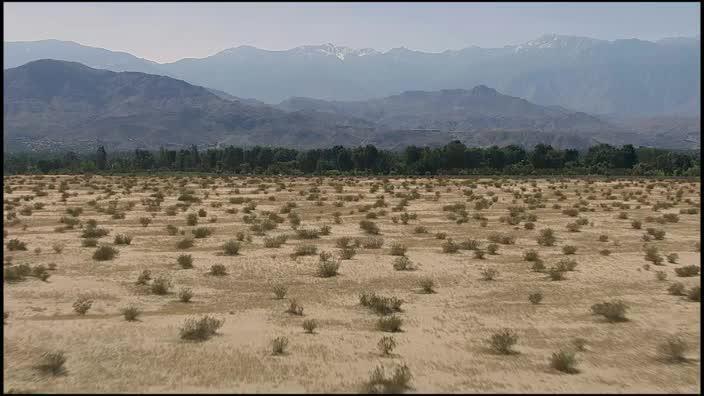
x: 59, y: 105
x: 632, y: 78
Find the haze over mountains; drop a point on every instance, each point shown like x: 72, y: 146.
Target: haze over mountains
x: 630, y: 77
x: 643, y: 93
x: 455, y: 110
x: 54, y: 105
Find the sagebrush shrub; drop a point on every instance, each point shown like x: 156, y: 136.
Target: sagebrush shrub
x: 538, y: 266
x: 185, y: 295
x: 369, y: 227
x: 688, y: 270
x: 501, y: 238
x: 503, y: 341
x: 492, y: 248
x: 192, y: 219
x: 531, y: 255
x: 89, y: 242
x: 386, y: 345
x: 427, y: 285
x: 346, y: 242
x: 52, y: 363
x: 676, y: 289
x: 200, y: 329
x: 569, y: 249
x: 564, y: 361
x: 279, y: 291
x: 372, y: 242
x: 202, y: 232
x: 535, y: 298
x: 278, y: 345
x: 403, y: 263
x: 185, y: 243
x: 673, y: 350
x: 449, y: 246
x: 82, y: 305
x: 469, y: 244
x: 144, y: 277
x: 573, y: 227
x: 305, y: 250
x: 304, y: 233
x: 489, y: 273
x: 40, y: 272
x: 309, y: 325
x: 294, y: 308
x: 398, y: 249
x: 123, y: 239
x: 391, y: 323
x: 420, y: 230
x: 58, y: 247
x: 347, y: 253
x: 131, y: 313
x: 327, y: 265
x: 556, y: 274
x: 380, y: 305
x: 324, y: 230
x: 104, y: 253
x: 16, y: 244
x: 566, y: 265
x: 695, y: 294
x: 185, y: 261
x: 572, y: 212
x: 546, y: 237
x: 16, y: 273
x: 218, y: 270
x: 275, y: 242
x: 160, y: 285
x: 231, y: 248
x: 613, y: 311
x: 94, y: 232
x: 396, y: 383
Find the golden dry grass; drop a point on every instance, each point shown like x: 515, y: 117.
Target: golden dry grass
x: 445, y: 335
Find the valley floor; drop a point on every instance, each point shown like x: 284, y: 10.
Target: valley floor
x: 445, y: 335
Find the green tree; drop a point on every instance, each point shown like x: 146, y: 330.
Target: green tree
x: 101, y: 158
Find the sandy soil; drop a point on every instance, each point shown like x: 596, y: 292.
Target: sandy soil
x: 445, y: 335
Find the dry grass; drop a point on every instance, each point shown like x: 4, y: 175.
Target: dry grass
x: 441, y: 336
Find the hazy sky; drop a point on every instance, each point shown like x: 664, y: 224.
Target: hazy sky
x: 166, y: 32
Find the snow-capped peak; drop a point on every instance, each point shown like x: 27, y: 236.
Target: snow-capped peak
x: 339, y: 52
x: 557, y: 41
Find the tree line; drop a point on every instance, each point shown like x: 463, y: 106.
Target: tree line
x: 452, y: 159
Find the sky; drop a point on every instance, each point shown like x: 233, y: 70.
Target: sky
x: 166, y: 32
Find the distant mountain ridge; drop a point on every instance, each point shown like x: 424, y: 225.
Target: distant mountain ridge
x: 17, y: 53
x: 481, y: 108
x: 60, y: 105
x: 53, y: 105
x: 627, y: 77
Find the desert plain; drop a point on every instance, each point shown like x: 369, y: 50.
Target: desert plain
x: 458, y: 273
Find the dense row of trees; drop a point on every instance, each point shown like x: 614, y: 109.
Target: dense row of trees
x: 453, y: 158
